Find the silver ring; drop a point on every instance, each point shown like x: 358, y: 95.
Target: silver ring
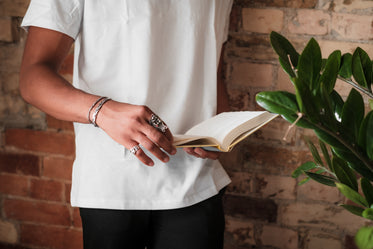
x: 157, y: 123
x: 134, y: 149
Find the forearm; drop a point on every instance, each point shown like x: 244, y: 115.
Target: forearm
x: 43, y: 87
x: 222, y: 94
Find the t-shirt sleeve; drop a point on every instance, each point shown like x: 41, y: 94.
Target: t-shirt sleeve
x: 64, y: 16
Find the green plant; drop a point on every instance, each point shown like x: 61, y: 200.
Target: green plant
x: 345, y: 131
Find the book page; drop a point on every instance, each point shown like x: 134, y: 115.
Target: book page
x: 221, y: 125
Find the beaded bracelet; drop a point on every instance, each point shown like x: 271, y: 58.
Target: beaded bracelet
x: 90, y: 109
x: 98, y: 108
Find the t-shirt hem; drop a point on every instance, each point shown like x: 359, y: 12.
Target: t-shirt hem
x: 151, y: 204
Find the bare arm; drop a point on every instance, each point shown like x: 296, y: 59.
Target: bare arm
x: 43, y: 87
x: 223, y: 99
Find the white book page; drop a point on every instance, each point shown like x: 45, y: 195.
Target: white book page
x: 221, y: 125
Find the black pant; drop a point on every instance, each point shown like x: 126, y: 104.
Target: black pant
x: 200, y: 226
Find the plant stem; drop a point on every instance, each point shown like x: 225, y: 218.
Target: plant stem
x: 348, y: 146
x: 362, y: 89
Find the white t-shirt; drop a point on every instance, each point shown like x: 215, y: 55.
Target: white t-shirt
x: 159, y: 53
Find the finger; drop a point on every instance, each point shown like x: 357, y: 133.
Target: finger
x: 160, y: 139
x: 207, y: 154
x: 190, y: 151
x: 169, y: 135
x: 140, y: 154
x: 157, y: 123
x: 154, y: 149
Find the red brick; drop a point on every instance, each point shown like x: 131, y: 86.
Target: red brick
x: 47, y: 190
x: 59, y: 124
x: 247, y: 46
x: 39, y: 212
x: 57, y: 168
x: 318, y: 216
x: 262, y: 20
x: 301, y: 4
x: 14, y: 185
x: 250, y: 208
x: 277, y: 187
x: 350, y: 242
x: 356, y: 27
x: 252, y: 75
x: 277, y: 3
x: 6, y: 30
x: 273, y: 160
x: 280, y: 237
x: 311, y: 22
x: 67, y: 192
x: 235, y: 18
x: 239, y: 232
x: 41, y: 141
x: 13, y: 7
x: 77, y: 221
x: 20, y: 163
x: 51, y: 237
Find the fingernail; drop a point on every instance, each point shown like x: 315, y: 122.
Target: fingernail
x: 151, y: 164
x: 173, y: 151
x: 166, y: 159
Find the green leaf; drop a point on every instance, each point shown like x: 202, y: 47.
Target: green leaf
x: 323, y: 179
x: 364, y: 238
x: 365, y: 139
x: 366, y: 135
x: 280, y: 102
x: 368, y: 213
x: 352, y: 116
x: 329, y: 76
x: 327, y: 111
x: 354, y: 162
x: 352, y: 194
x: 344, y: 173
x: 346, y: 66
x: 326, y: 155
x: 284, y: 49
x: 337, y: 104
x: 314, y: 152
x: 371, y: 104
x: 304, y: 167
x: 367, y: 189
x: 305, y: 180
x: 362, y: 68
x: 329, y: 139
x: 353, y: 209
x: 306, y: 101
x: 309, y: 65
x: 286, y: 66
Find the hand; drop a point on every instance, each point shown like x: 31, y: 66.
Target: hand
x: 201, y: 153
x: 129, y: 125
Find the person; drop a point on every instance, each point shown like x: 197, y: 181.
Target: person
x: 143, y: 70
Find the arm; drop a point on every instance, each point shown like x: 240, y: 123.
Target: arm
x: 223, y: 99
x: 43, y: 87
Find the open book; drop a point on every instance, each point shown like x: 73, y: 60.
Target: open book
x: 223, y: 131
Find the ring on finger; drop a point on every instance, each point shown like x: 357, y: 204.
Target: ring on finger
x: 134, y: 149
x: 157, y: 123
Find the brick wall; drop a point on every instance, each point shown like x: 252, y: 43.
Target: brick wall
x: 265, y: 207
